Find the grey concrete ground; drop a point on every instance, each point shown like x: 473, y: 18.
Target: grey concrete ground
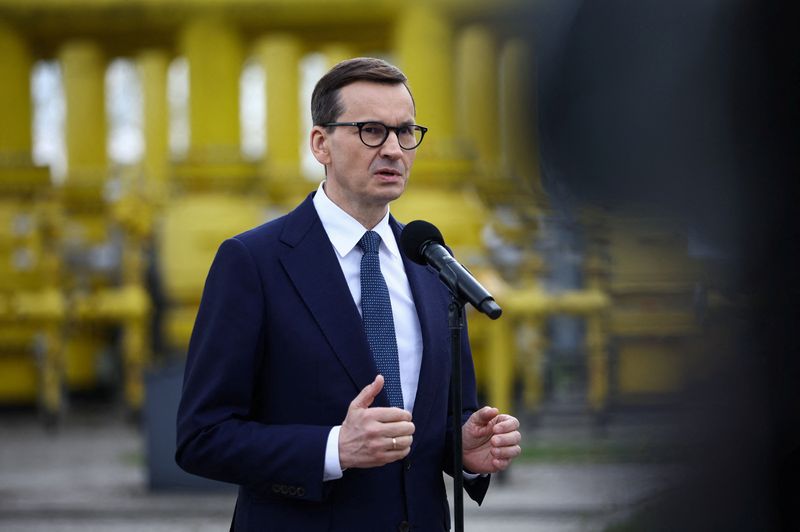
x: 90, y: 477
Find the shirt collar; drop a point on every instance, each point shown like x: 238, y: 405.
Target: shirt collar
x: 344, y: 231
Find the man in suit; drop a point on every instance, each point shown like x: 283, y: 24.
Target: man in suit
x: 322, y: 396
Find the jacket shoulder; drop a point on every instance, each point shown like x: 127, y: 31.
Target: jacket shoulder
x: 267, y: 232
x: 288, y: 229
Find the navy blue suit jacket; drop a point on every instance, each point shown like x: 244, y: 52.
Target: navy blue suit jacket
x: 277, y: 353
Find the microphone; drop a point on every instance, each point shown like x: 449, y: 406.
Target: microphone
x: 423, y: 243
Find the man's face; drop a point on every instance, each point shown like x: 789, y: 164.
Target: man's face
x: 361, y: 179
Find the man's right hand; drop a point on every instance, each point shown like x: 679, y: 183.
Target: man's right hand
x: 372, y: 437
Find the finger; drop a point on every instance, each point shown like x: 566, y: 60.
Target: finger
x: 368, y: 394
x: 399, y: 443
x: 388, y: 414
x: 506, y: 453
x: 505, y: 440
x: 400, y: 428
x: 500, y: 464
x: 484, y: 415
x: 481, y: 422
x: 505, y: 423
x: 399, y: 454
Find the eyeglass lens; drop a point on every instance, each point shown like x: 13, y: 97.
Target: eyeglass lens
x: 374, y: 134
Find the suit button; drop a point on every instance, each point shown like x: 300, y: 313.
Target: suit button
x: 403, y: 527
x: 407, y: 464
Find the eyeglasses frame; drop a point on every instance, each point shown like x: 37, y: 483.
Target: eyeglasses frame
x: 389, y: 129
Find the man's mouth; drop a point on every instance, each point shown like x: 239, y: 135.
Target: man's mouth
x: 388, y: 172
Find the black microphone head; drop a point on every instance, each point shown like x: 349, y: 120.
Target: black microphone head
x: 415, y: 236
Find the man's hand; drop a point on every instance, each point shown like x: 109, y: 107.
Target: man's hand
x: 372, y: 437
x: 490, y: 440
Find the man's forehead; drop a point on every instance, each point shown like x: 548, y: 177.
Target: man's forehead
x: 366, y: 94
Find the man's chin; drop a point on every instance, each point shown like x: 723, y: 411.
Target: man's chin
x: 391, y: 191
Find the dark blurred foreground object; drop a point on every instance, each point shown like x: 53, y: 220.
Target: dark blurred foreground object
x: 690, y: 110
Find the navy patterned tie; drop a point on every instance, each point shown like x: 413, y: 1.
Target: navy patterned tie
x: 376, y: 311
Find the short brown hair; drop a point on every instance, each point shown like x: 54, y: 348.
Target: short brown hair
x: 325, y: 103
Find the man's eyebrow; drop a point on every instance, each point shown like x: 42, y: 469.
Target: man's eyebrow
x: 409, y: 122
x: 403, y: 123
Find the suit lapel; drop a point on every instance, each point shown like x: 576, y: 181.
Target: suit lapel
x: 311, y: 264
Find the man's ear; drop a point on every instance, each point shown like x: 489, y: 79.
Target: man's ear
x: 319, y: 145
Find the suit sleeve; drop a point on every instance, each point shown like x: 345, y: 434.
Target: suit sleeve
x: 217, y: 437
x: 478, y: 487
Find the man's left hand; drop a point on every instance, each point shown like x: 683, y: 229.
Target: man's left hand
x: 490, y: 440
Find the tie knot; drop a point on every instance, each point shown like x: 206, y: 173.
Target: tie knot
x: 370, y: 242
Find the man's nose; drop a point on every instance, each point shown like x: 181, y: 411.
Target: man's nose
x: 391, y: 147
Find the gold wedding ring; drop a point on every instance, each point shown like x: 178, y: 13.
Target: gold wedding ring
x: 394, y: 444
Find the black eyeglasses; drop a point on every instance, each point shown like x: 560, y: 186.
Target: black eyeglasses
x: 374, y: 134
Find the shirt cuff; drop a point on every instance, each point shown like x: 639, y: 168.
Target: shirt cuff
x: 472, y: 476
x: 333, y: 469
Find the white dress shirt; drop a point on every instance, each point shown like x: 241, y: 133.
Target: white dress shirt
x: 344, y: 232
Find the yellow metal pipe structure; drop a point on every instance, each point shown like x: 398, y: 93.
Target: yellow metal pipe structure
x: 83, y: 70
x: 279, y: 54
x: 102, y: 303
x: 46, y: 308
x: 471, y: 90
x: 215, y: 55
x: 524, y: 313
x: 518, y: 115
x: 31, y: 306
x: 423, y: 45
x: 501, y: 353
x: 335, y: 52
x: 477, y: 118
x: 136, y: 351
x: 15, y: 113
x: 152, y: 65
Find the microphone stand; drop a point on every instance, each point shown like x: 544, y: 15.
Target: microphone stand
x: 455, y: 316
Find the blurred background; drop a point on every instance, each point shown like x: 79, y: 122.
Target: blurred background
x: 618, y: 174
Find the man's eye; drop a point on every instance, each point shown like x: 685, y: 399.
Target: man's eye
x: 373, y: 129
x: 404, y: 131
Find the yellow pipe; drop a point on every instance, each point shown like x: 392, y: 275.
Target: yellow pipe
x: 518, y: 110
x: 477, y: 96
x: 83, y: 67
x: 279, y: 54
x: 15, y: 113
x: 423, y: 44
x: 153, y: 65
x: 215, y: 55
x: 500, y: 354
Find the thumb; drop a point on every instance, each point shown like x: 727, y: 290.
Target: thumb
x: 484, y: 416
x: 368, y: 394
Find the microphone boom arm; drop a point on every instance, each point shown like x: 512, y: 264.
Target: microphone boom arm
x: 460, y: 281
